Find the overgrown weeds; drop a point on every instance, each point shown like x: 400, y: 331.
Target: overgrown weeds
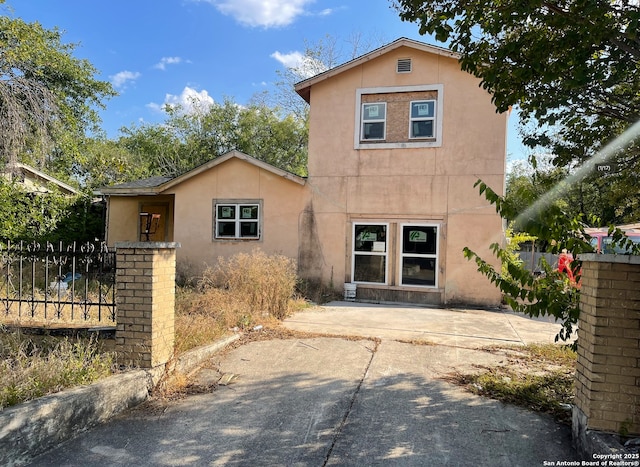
x: 29, y: 370
x: 538, y: 377
x: 265, y: 283
x: 241, y: 292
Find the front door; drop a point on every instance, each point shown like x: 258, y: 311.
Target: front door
x: 157, y: 228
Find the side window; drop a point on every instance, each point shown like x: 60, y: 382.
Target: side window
x: 237, y: 220
x: 374, y: 118
x: 422, y: 119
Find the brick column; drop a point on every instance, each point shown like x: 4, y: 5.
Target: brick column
x: 145, y: 291
x: 608, y: 371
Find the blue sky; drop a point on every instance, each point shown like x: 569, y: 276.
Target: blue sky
x: 165, y: 51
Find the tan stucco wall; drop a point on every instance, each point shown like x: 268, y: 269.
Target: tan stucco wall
x: 417, y: 185
x: 190, y: 218
x: 282, y: 200
x: 123, y: 214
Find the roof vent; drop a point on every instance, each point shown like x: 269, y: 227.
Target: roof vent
x: 404, y: 65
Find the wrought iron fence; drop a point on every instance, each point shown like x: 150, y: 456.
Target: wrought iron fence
x: 55, y: 282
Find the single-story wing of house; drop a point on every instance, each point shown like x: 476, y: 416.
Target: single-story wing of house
x: 233, y: 203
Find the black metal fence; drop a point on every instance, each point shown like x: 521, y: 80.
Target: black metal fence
x: 54, y: 282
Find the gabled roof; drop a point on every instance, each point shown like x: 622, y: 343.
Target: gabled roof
x: 303, y: 88
x: 41, y: 178
x: 157, y: 185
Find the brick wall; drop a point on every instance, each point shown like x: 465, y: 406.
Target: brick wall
x: 608, y: 370
x: 145, y: 284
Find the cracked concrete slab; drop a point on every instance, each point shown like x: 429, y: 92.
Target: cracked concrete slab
x: 327, y: 401
x: 455, y: 327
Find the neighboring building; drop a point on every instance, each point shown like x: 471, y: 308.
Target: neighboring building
x: 398, y: 137
x: 35, y: 181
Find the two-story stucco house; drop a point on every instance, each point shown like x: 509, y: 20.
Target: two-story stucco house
x: 397, y: 139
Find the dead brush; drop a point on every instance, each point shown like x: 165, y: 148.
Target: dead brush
x: 265, y: 282
x: 237, y: 293
x: 203, y: 317
x: 29, y: 370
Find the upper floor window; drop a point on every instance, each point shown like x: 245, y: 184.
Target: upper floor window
x: 422, y: 119
x: 374, y: 118
x: 237, y: 220
x: 398, y: 117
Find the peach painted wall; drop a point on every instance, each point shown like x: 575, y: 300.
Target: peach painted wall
x: 192, y: 210
x: 282, y: 202
x: 432, y: 184
x: 123, y: 213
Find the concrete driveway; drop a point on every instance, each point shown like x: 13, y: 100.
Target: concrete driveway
x: 328, y: 401
x: 458, y: 327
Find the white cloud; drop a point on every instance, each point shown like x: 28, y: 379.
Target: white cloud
x: 190, y: 101
x: 264, y: 13
x: 122, y: 79
x: 290, y: 60
x: 164, y: 61
x: 302, y: 65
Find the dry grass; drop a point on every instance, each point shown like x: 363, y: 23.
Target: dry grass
x: 29, y: 370
x: 238, y: 293
x: 243, y: 293
x: 265, y: 283
x: 539, y: 377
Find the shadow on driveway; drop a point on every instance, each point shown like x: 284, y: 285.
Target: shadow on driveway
x: 324, y: 401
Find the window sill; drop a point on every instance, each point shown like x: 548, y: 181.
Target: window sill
x: 404, y: 288
x: 402, y: 145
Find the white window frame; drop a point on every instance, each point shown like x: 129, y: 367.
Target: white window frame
x: 402, y: 254
x: 237, y: 219
x: 423, y: 119
x: 385, y: 254
x: 413, y: 143
x: 374, y: 120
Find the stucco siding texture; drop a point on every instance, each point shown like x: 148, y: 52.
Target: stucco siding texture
x: 123, y: 223
x: 464, y: 284
x: 415, y: 185
x: 405, y: 195
x: 235, y: 180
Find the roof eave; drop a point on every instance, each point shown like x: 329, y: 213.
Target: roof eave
x: 159, y: 189
x: 127, y: 192
x: 303, y: 88
x: 47, y: 178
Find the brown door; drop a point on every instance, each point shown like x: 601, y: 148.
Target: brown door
x: 152, y: 226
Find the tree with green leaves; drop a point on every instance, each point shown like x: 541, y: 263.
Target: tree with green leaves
x: 186, y: 140
x: 594, y: 196
x: 47, y: 216
x: 553, y: 293
x: 572, y: 69
x: 48, y: 98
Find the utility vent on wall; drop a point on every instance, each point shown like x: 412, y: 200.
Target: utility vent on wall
x: 404, y: 65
